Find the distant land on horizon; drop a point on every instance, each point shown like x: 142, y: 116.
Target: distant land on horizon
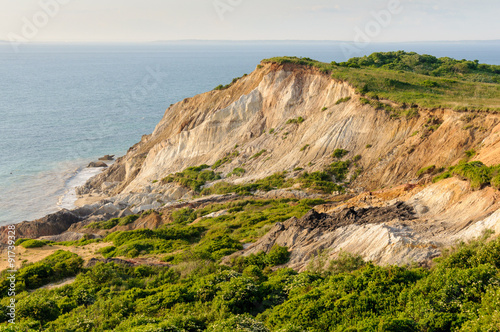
x: 252, y: 41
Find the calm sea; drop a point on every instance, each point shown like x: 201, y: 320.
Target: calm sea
x: 62, y: 106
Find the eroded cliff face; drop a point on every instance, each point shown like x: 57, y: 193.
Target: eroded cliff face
x: 252, y: 114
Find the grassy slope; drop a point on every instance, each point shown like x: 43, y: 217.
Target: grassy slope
x: 442, y: 83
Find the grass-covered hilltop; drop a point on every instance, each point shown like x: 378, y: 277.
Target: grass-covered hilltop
x: 411, y: 78
x: 303, y: 197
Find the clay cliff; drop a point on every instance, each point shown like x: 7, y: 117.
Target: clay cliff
x: 252, y: 115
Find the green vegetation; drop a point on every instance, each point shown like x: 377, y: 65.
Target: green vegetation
x: 324, y: 109
x: 108, y: 224
x: 460, y: 293
x: 304, y: 147
x: 210, y: 238
x: 409, y: 79
x: 271, y: 130
x: 328, y: 181
x: 296, y: 121
x: 339, y: 153
x: 146, y: 241
x: 477, y: 173
x: 59, y: 265
x: 224, y: 87
x: 470, y: 153
x: 277, y: 255
x: 426, y: 170
x: 227, y: 159
x: 274, y: 181
x: 30, y: 243
x: 258, y: 154
x: 193, y: 177
x: 342, y: 100
x: 238, y: 171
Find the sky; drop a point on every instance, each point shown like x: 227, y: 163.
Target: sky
x: 158, y: 20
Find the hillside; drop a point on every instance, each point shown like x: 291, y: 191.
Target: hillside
x: 305, y: 196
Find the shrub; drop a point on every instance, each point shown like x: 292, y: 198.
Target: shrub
x: 429, y: 83
x: 442, y: 176
x: 495, y: 181
x: 426, y: 170
x: 296, y: 121
x: 339, y: 153
x: 346, y: 262
x: 364, y: 101
x: 342, y: 100
x: 258, y: 154
x: 33, y: 243
x: 476, y: 172
x: 470, y: 153
x: 277, y: 255
x: 304, y: 147
x: 238, y: 323
x: 108, y: 224
x: 193, y: 177
x: 238, y: 171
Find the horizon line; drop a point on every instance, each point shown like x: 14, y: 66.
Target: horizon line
x: 242, y: 41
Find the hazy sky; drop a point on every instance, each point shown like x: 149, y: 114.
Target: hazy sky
x: 152, y: 20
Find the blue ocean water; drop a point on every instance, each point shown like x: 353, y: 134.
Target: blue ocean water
x: 62, y: 106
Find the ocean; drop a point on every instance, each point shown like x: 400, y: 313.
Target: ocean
x: 63, y: 106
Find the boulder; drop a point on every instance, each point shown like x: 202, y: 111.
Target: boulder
x: 97, y: 164
x: 124, y: 213
x: 52, y: 224
x: 108, y: 157
x: 109, y: 208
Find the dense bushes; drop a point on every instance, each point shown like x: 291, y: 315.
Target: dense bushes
x: 411, y: 79
x: 277, y: 255
x: 426, y: 65
x: 146, y: 241
x: 460, y: 293
x: 31, y: 243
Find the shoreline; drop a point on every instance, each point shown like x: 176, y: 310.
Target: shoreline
x: 49, y: 192
x: 70, y: 200
x: 87, y: 199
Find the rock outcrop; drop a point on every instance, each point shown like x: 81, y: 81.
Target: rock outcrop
x: 53, y: 224
x: 94, y: 164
